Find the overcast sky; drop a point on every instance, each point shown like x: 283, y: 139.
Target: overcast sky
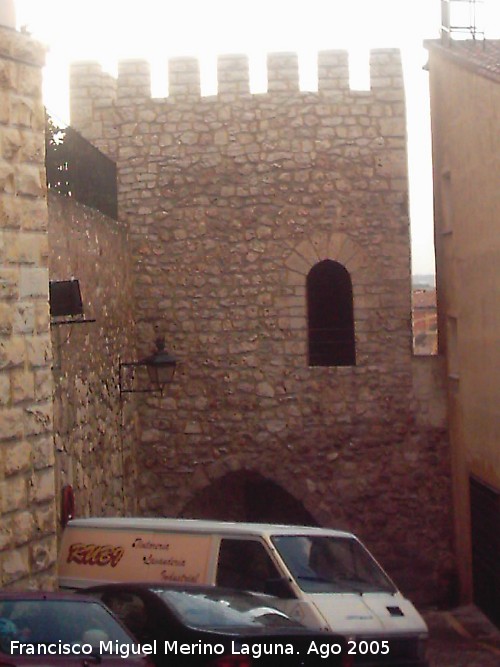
x: 108, y: 30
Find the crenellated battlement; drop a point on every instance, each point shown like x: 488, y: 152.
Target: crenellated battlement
x: 134, y: 82
x: 184, y: 77
x: 333, y: 71
x: 90, y: 89
x: 100, y: 104
x: 133, y: 85
x: 233, y: 75
x: 282, y: 72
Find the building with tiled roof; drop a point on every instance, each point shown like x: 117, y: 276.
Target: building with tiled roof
x: 481, y: 56
x: 465, y: 110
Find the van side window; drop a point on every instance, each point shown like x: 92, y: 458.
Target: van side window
x: 245, y: 564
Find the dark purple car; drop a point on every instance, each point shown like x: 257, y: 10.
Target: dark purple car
x: 61, y: 629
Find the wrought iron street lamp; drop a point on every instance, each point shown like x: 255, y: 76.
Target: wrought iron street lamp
x: 160, y: 367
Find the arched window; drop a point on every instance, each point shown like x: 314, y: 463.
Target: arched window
x: 330, y: 315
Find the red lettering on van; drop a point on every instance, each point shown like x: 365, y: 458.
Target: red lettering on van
x: 94, y: 554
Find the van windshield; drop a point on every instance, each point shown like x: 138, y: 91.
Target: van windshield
x: 328, y: 564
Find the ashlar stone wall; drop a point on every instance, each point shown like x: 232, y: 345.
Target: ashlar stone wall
x: 230, y: 201
x: 27, y: 495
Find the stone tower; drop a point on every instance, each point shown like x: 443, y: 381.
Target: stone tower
x: 232, y: 203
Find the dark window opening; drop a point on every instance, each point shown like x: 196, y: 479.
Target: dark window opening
x: 65, y: 298
x: 485, y: 536
x: 330, y: 315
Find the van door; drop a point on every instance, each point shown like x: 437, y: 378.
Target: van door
x: 245, y: 564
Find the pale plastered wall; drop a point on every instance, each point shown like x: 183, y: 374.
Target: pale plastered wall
x: 466, y: 148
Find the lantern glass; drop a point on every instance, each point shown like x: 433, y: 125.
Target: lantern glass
x: 161, y: 374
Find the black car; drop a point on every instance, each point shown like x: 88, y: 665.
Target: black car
x: 218, y: 627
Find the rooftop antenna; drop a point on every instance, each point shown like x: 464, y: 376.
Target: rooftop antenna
x: 459, y: 19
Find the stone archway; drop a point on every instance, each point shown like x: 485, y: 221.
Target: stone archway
x: 246, y: 496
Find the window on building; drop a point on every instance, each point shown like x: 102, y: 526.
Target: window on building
x: 330, y: 315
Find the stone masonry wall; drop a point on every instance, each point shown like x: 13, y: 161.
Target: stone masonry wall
x: 27, y: 517
x: 94, y: 432
x: 231, y: 200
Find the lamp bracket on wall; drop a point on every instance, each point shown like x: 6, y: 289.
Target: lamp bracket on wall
x: 69, y: 320
x: 148, y: 375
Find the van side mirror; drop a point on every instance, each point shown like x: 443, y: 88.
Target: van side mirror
x: 279, y: 587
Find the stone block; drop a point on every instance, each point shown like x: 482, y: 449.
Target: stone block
x: 44, y: 384
x: 24, y: 318
x: 34, y: 282
x: 38, y: 419
x: 23, y: 528
x: 23, y: 48
x: 12, y: 352
x: 17, y: 458
x: 42, y: 486
x: 45, y: 519
x: 299, y: 264
x: 32, y: 149
x: 392, y: 127
x: 5, y: 536
x: 14, y: 564
x: 42, y: 317
x: 22, y: 385
x: 43, y: 554
x: 30, y: 214
x: 29, y: 181
x: 6, y: 318
x: 29, y: 81
x: 7, y: 75
x: 14, y: 494
x: 9, y: 212
x: 24, y: 248
x: 10, y: 423
x: 38, y: 350
x: 5, y: 389
x: 5, y: 102
x: 23, y: 111
x: 6, y: 177
x: 11, y: 141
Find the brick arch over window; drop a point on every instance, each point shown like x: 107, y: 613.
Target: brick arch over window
x: 337, y: 247
x: 330, y: 315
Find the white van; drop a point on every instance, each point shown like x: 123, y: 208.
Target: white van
x: 325, y: 578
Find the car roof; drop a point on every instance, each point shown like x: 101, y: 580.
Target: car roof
x: 183, y: 588
x: 44, y: 595
x: 201, y: 526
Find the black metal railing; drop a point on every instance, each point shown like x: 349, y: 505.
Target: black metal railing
x: 77, y: 169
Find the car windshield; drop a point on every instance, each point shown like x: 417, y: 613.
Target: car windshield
x: 324, y: 564
x: 50, y: 621
x: 221, y: 609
